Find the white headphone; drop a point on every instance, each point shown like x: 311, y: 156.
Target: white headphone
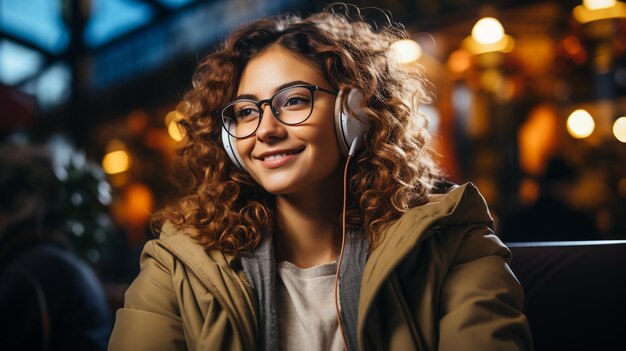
x: 350, y: 129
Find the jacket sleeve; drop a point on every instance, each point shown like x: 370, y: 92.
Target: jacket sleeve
x: 150, y: 319
x: 481, y: 300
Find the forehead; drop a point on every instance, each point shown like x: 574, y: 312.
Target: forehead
x: 276, y: 66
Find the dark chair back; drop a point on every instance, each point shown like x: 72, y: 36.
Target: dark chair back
x: 575, y: 293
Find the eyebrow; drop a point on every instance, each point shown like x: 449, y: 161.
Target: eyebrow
x: 277, y: 89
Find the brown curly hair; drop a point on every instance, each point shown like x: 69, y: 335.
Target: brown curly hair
x: 225, y: 209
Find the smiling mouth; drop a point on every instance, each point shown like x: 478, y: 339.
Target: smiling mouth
x: 279, y: 156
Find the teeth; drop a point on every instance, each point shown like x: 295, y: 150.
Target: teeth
x: 273, y: 157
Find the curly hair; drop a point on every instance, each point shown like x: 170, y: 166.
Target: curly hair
x: 224, y: 209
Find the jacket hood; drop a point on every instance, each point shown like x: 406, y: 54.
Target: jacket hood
x: 461, y: 205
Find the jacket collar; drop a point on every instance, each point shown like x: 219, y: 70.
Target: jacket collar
x: 460, y: 205
x: 260, y: 268
x: 213, y: 269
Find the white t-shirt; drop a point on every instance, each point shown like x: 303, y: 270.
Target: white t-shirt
x: 307, y: 318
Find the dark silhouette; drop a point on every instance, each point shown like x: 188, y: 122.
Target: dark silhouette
x: 49, y: 299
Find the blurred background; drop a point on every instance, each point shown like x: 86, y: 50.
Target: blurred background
x: 530, y: 104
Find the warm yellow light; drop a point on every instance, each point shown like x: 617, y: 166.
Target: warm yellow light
x: 505, y: 45
x: 406, y: 50
x: 619, y: 129
x: 173, y: 116
x: 459, y: 61
x: 537, y: 138
x: 139, y: 203
x: 585, y: 14
x: 488, y: 30
x: 116, y: 162
x: 598, y: 4
x: 580, y: 124
x: 173, y: 129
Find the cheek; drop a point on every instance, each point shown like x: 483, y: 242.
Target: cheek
x: 244, y: 146
x: 328, y: 137
x: 326, y: 132
x: 325, y: 141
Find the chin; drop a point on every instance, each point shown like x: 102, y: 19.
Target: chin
x: 280, y: 188
x: 280, y: 182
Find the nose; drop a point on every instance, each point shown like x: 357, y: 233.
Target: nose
x: 270, y: 128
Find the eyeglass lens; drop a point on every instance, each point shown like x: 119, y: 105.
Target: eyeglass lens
x: 290, y: 106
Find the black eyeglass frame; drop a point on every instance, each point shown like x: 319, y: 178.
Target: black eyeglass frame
x: 259, y: 104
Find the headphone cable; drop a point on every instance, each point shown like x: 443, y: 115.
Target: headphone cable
x: 343, y: 239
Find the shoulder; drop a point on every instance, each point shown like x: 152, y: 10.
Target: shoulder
x: 467, y: 225
x: 456, y: 204
x: 172, y: 244
x: 175, y: 244
x: 177, y: 259
x: 162, y: 263
x: 456, y: 221
x: 459, y: 205
x: 453, y: 227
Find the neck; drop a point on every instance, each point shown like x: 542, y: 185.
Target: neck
x: 304, y: 232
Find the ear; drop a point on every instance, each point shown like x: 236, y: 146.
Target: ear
x: 331, y: 67
x: 328, y: 60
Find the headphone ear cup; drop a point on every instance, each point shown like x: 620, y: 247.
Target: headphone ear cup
x: 228, y: 141
x: 348, y: 127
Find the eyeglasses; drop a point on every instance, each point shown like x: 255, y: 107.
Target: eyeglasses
x: 293, y: 105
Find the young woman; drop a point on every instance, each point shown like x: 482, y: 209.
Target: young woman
x: 312, y: 219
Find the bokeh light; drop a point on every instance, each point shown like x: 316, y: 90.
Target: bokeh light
x: 598, y: 4
x: 572, y: 45
x: 538, y: 139
x: 488, y: 30
x: 580, y: 124
x: 173, y: 129
x: 117, y: 159
x: 619, y: 129
x: 406, y: 50
x: 116, y: 162
x: 138, y: 203
x: 596, y: 10
x: 459, y: 61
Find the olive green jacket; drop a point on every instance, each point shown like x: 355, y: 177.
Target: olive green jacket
x: 439, y: 280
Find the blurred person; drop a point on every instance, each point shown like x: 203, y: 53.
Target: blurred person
x: 550, y: 217
x: 313, y: 217
x: 49, y: 299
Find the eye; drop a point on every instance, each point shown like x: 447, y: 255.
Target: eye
x: 297, y: 100
x: 246, y: 113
